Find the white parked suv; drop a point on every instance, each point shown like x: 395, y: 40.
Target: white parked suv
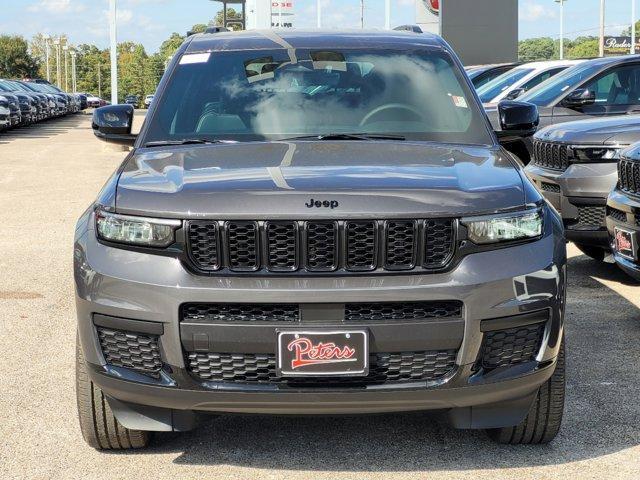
x: 515, y: 82
x: 147, y: 101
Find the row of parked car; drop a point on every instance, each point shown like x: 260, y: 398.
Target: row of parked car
x: 26, y: 102
x: 586, y: 159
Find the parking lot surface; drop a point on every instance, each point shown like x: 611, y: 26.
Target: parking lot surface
x: 51, y: 172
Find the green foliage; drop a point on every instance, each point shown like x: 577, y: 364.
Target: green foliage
x: 585, y: 49
x: 232, y: 14
x: 15, y: 59
x: 627, y: 31
x: 198, y: 28
x: 532, y: 49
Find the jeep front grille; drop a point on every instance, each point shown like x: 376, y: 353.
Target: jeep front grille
x: 553, y: 156
x: 320, y: 246
x: 629, y: 176
x: 384, y: 368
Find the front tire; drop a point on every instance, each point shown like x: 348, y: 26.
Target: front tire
x: 100, y: 428
x: 545, y: 417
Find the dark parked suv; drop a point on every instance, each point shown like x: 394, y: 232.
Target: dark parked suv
x: 318, y: 223
x: 595, y: 88
x: 623, y: 213
x: 575, y: 167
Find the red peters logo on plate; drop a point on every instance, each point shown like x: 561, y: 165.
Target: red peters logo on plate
x: 433, y: 6
x: 623, y: 241
x: 306, y: 353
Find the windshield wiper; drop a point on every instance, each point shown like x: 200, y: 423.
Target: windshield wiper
x: 348, y: 136
x: 186, y: 141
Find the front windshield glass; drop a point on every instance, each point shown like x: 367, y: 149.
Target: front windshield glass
x: 548, y: 91
x: 495, y: 87
x: 276, y: 94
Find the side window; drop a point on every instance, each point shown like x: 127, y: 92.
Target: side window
x: 541, y: 77
x: 620, y: 86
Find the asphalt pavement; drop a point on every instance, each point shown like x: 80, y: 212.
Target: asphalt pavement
x: 50, y: 173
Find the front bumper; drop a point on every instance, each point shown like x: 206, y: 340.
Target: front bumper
x: 499, y: 284
x: 579, y: 194
x: 630, y: 206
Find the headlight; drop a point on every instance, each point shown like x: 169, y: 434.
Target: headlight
x: 504, y: 228
x: 143, y: 231
x: 595, y: 154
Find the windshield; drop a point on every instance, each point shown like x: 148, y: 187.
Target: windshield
x: 547, y: 92
x: 276, y: 94
x: 495, y: 87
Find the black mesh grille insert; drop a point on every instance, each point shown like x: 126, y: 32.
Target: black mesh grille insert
x: 242, y: 242
x: 322, y: 243
x: 616, y: 214
x: 362, y: 312
x: 383, y: 368
x: 400, y: 236
x: 282, y: 245
x: 629, y: 176
x: 130, y: 350
x: 503, y: 348
x: 590, y: 217
x: 551, y: 155
x: 550, y: 187
x: 240, y: 312
x: 361, y: 245
x: 204, y: 244
x: 439, y: 242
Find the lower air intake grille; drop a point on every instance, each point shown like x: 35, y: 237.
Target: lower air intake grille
x: 550, y: 187
x: 383, y: 368
x: 590, y: 217
x: 240, y: 312
x: 504, y: 348
x: 363, y: 312
x: 136, y: 351
x: 616, y: 214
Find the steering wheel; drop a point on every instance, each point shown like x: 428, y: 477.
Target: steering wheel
x: 390, y: 106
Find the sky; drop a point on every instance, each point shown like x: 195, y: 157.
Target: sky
x: 151, y: 21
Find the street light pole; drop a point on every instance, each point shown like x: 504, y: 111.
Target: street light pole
x: 319, y: 13
x: 387, y: 14
x: 46, y: 39
x: 56, y: 42
x: 114, y: 54
x: 74, y: 84
x: 561, y: 2
x: 633, y: 27
x: 602, y: 28
x: 66, y: 67
x: 361, y: 13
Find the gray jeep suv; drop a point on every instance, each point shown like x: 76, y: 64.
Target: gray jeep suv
x: 575, y: 167
x: 318, y: 223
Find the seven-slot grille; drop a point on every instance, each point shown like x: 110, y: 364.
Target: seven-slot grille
x: 549, y: 155
x: 629, y: 176
x: 261, y: 368
x: 320, y: 246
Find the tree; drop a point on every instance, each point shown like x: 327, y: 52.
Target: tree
x: 584, y: 47
x: 532, y: 49
x: 15, y: 59
x: 231, y: 15
x: 170, y: 45
x: 198, y: 28
x: 627, y: 31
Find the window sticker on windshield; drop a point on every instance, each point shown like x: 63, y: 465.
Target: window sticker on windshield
x: 195, y: 58
x: 459, y: 101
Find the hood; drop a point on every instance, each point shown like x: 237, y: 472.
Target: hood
x: 261, y: 180
x: 623, y: 130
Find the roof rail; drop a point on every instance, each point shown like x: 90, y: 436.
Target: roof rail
x: 216, y: 29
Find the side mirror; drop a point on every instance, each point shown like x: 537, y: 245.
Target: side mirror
x: 515, y: 93
x: 517, y: 120
x: 113, y: 124
x: 579, y: 98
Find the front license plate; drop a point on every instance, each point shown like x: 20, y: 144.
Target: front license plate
x: 625, y: 242
x: 328, y: 353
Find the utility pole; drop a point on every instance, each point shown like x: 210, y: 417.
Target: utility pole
x: 114, y: 52
x: 66, y: 67
x: 561, y: 2
x: 99, y: 81
x: 633, y: 27
x: 361, y: 13
x: 47, y: 53
x: 319, y: 13
x: 602, y: 28
x: 387, y: 14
